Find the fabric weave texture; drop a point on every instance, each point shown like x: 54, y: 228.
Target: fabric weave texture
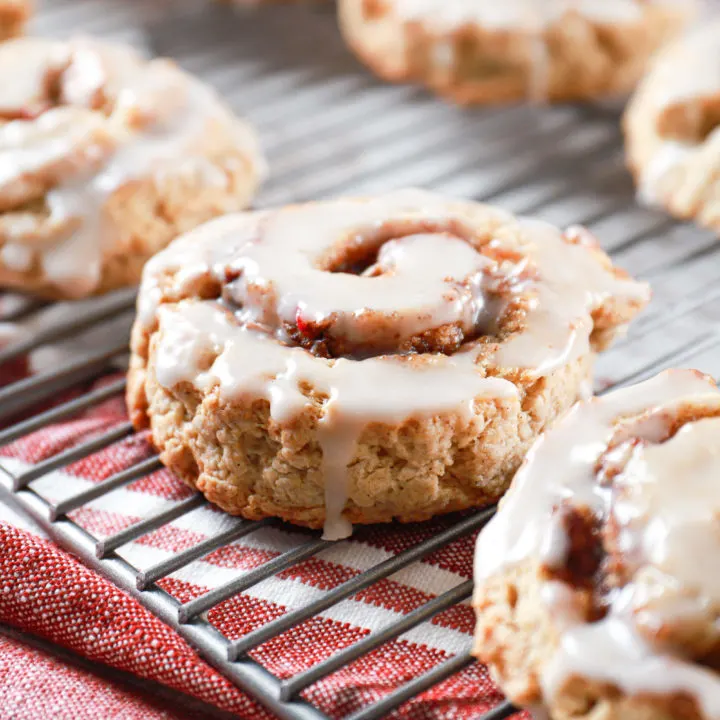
x: 47, y: 592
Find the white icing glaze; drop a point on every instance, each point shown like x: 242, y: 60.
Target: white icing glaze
x: 668, y: 156
x: 419, y: 293
x: 279, y: 254
x: 26, y: 90
x: 690, y: 68
x: 83, y: 156
x: 16, y: 257
x: 517, y: 14
x: 532, y: 17
x: 611, y: 650
x: 430, y: 277
x: 667, y: 521
x: 377, y: 389
x: 665, y: 502
x: 685, y: 74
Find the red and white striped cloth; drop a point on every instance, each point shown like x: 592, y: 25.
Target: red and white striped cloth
x: 48, y: 593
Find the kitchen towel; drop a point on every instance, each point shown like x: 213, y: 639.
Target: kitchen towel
x: 47, y: 592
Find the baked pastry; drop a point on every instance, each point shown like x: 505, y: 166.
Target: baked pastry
x: 13, y: 16
x: 483, y: 51
x: 671, y: 129
x: 597, y: 584
x: 104, y: 158
x: 362, y: 360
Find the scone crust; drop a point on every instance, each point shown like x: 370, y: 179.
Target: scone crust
x: 572, y: 58
x: 14, y: 15
x: 216, y: 168
x: 249, y: 465
x: 409, y: 470
x: 146, y: 215
x: 519, y: 631
x: 516, y: 637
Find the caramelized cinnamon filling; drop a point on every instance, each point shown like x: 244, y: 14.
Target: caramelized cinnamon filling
x: 319, y: 339
x: 585, y: 553
x: 598, y: 563
x: 48, y: 90
x: 483, y: 291
x: 446, y: 339
x: 690, y: 122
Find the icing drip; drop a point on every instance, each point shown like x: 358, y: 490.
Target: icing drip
x: 663, y: 501
x: 424, y: 264
x: 383, y: 389
x: 119, y: 119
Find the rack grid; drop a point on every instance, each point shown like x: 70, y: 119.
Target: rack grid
x: 330, y: 129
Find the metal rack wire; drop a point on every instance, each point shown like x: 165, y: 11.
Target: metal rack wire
x: 329, y: 129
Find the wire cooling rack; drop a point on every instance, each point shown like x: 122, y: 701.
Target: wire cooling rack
x: 329, y: 128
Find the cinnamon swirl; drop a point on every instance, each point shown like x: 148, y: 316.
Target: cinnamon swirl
x: 597, y: 583
x: 362, y: 360
x: 105, y: 158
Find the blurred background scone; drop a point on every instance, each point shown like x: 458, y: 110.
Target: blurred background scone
x: 673, y: 146
x: 365, y: 360
x: 104, y: 158
x: 13, y: 16
x: 597, y: 585
x: 483, y: 51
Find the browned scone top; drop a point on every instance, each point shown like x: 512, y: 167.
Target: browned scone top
x: 485, y: 51
x: 597, y: 585
x: 367, y: 359
x: 14, y: 14
x: 105, y: 157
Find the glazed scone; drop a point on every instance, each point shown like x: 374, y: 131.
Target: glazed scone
x: 104, y: 159
x: 13, y: 16
x: 486, y: 51
x: 362, y: 360
x: 672, y: 129
x: 598, y: 581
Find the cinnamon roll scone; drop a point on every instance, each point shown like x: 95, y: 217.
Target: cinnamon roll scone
x: 14, y: 14
x: 366, y: 359
x: 598, y: 581
x: 672, y: 129
x: 477, y: 51
x: 104, y: 158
